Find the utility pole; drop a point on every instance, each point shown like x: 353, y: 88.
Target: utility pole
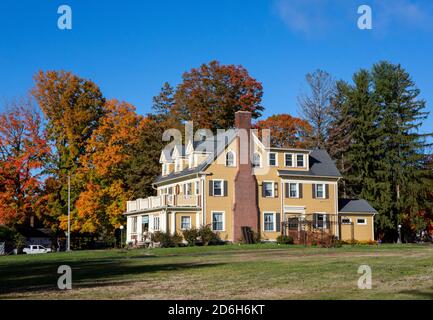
x: 69, y: 214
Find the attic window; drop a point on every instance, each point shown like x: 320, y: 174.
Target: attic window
x: 230, y: 159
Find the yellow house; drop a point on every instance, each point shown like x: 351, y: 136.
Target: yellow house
x: 237, y: 183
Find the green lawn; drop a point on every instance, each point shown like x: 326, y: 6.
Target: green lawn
x: 266, y: 271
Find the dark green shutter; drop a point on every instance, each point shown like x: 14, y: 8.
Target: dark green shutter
x: 278, y: 222
x: 225, y: 188
x: 314, y: 190
x: 210, y: 188
x: 287, y: 190
x: 300, y: 191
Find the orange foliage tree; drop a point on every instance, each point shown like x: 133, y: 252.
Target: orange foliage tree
x: 23, y: 152
x: 285, y: 130
x: 211, y: 94
x: 108, y: 153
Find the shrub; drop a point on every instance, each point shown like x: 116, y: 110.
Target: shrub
x: 164, y: 238
x: 20, y: 242
x: 281, y: 239
x: 176, y: 240
x: 190, y: 236
x: 207, y: 236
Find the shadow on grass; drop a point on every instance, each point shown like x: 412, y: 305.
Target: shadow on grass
x: 428, y: 295
x: 30, y: 277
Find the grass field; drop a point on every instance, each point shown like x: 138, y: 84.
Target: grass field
x: 266, y: 271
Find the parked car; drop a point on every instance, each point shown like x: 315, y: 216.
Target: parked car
x: 34, y: 249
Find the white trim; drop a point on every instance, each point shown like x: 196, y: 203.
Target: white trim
x: 297, y: 190
x: 293, y: 162
x: 234, y: 158
x: 260, y: 159
x: 224, y: 219
x: 350, y: 220
x: 222, y: 188
x: 273, y: 188
x: 274, y: 214
x: 276, y: 159
x: 190, y: 222
x: 363, y: 223
x: 323, y: 190
x: 310, y: 181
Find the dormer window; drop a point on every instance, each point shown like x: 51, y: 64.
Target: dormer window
x: 300, y: 160
x: 257, y: 160
x: 272, y: 159
x: 178, y: 165
x: 230, y: 159
x: 288, y: 159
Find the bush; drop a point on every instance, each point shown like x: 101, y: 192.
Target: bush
x: 207, y: 236
x: 167, y: 240
x: 190, y: 236
x: 284, y: 239
x: 20, y: 242
x: 176, y: 240
x: 164, y: 238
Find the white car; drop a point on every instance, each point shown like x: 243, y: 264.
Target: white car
x: 34, y: 249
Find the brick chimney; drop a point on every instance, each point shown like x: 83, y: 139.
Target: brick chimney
x: 245, y: 206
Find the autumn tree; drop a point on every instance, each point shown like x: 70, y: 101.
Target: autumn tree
x: 144, y: 165
x: 315, y: 106
x: 72, y: 107
x: 103, y: 168
x: 23, y: 153
x: 285, y: 131
x: 211, y: 94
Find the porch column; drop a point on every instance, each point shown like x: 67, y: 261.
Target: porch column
x: 173, y: 222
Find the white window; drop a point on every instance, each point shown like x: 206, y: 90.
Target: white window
x: 346, y: 221
x: 185, y: 222
x: 218, y: 187
x: 218, y: 221
x: 134, y: 225
x: 320, y: 220
x: 268, y: 189
x: 230, y: 159
x: 300, y: 160
x: 197, y: 187
x: 272, y: 159
x: 361, y: 221
x: 187, y: 189
x: 293, y: 190
x: 320, y: 191
x: 269, y: 222
x: 288, y: 160
x: 156, y: 223
x: 257, y: 160
x: 164, y: 169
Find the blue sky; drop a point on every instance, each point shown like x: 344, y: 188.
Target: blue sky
x: 130, y: 48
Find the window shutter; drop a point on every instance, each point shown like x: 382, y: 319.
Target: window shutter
x: 276, y: 189
x: 210, y: 188
x: 177, y: 189
x: 326, y: 191
x: 278, y: 222
x: 327, y: 224
x: 300, y: 191
x: 225, y: 188
x: 314, y: 190
x: 287, y: 190
x: 315, y: 220
x: 263, y: 189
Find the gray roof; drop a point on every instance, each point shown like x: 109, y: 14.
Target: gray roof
x: 354, y: 206
x: 321, y: 165
x: 211, y: 145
